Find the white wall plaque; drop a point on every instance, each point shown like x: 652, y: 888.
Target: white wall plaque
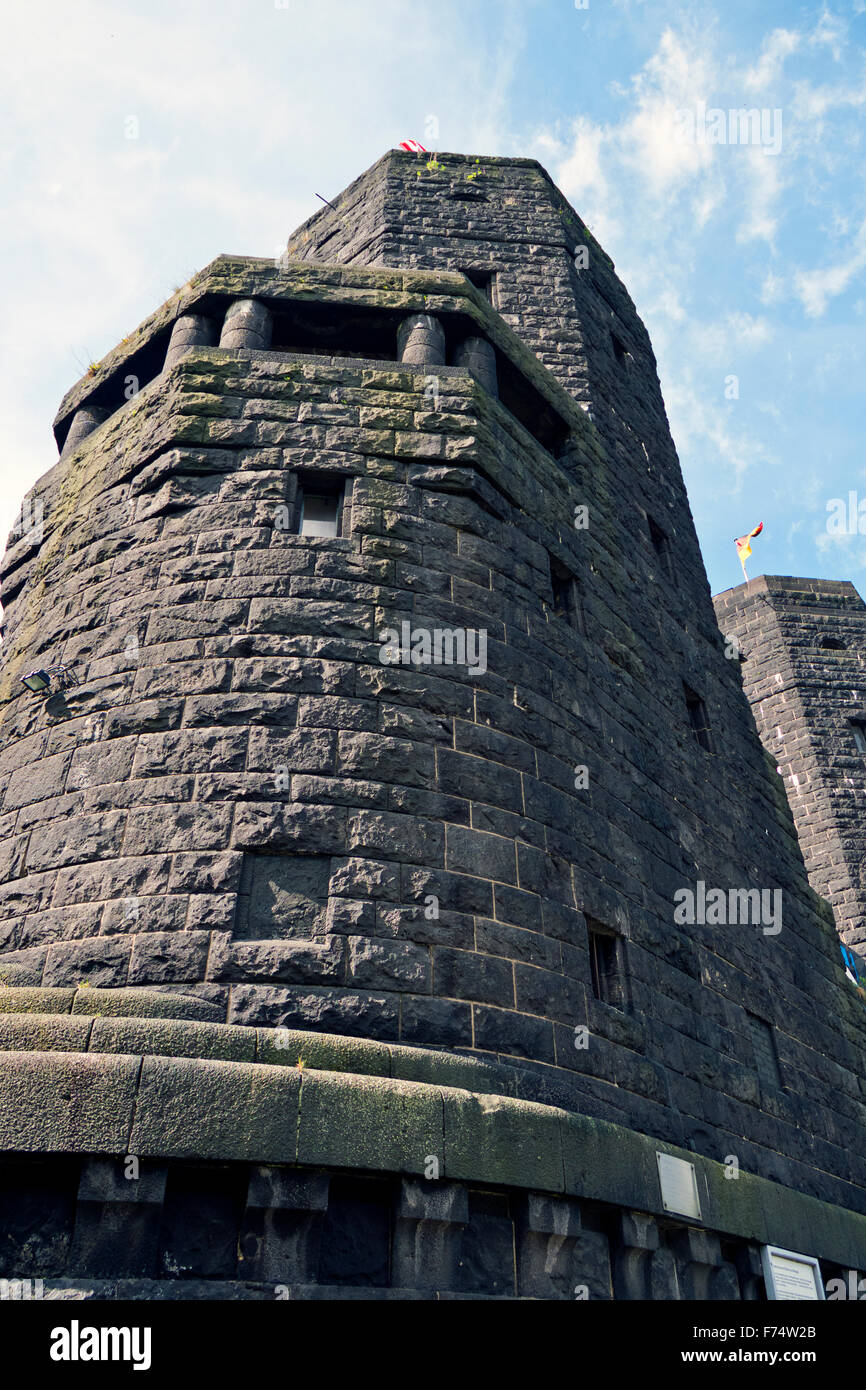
x: 792, y: 1276
x: 679, y: 1186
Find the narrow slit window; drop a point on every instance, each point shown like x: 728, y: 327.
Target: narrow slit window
x: 606, y: 966
x: 567, y: 602
x: 620, y: 351
x: 661, y: 546
x: 320, y: 510
x: 764, y: 1050
x: 697, y: 712
x: 858, y: 729
x: 482, y: 279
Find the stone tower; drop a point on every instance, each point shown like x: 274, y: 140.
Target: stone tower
x: 803, y: 653
x: 393, y: 869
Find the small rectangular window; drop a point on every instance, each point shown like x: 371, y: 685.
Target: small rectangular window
x: 566, y: 596
x: 697, y: 712
x: 482, y: 280
x: 858, y: 729
x: 620, y: 351
x: 764, y: 1051
x: 320, y: 509
x: 662, y: 548
x: 605, y: 964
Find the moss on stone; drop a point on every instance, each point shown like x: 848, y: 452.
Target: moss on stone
x: 192, y: 1108
x: 37, y: 1000
x: 48, y: 1032
x: 144, y: 1003
x: 502, y: 1140
x: 369, y: 1122
x: 173, y: 1037
x: 322, y: 1051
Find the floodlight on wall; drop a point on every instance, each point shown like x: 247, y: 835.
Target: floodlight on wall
x: 40, y: 681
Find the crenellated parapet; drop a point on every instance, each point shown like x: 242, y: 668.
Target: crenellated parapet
x: 302, y: 309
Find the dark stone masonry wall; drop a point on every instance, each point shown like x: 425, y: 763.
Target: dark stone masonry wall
x: 505, y: 224
x: 240, y: 801
x: 804, y: 643
x: 257, y: 1232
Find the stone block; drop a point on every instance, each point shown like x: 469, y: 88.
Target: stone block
x: 281, y: 1232
x: 369, y: 1122
x: 499, y: 1140
x: 476, y: 852
x: 192, y: 1108
x: 144, y: 1003
x: 62, y: 1102
x: 99, y: 961
x: 397, y: 965
x: 170, y: 1037
x: 26, y: 1000
x: 33, y: 1032
x: 411, y: 839
x: 354, y: 1012
x: 159, y: 957
x: 117, y: 1220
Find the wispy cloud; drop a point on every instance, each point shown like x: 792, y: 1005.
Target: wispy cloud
x: 817, y: 287
x: 776, y: 48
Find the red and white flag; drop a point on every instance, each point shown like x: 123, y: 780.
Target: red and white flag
x: 412, y: 146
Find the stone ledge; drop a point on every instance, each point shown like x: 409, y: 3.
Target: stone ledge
x: 156, y: 1107
x: 127, y: 1003
x: 133, y: 1026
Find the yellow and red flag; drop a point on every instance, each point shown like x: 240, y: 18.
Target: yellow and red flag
x: 744, y: 548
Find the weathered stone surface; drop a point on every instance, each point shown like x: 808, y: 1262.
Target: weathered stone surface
x: 165, y: 956
x: 61, y: 1102
x: 33, y: 1032
x: 173, y: 1038
x: 38, y: 1001
x: 371, y: 1123
x: 521, y: 1142
x: 141, y: 1003
x: 206, y: 1109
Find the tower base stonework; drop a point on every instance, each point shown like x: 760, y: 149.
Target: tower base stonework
x: 152, y: 1152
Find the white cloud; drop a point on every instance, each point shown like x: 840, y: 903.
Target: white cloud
x: 581, y: 170
x: 707, y: 201
x: 817, y: 287
x: 811, y: 102
x: 849, y: 546
x: 763, y: 184
x: 705, y: 428
x: 776, y: 48
x: 831, y: 32
x: 772, y: 288
x: 748, y: 331
x: 651, y: 141
x: 245, y: 112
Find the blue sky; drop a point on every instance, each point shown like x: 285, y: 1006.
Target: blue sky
x: 744, y: 262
